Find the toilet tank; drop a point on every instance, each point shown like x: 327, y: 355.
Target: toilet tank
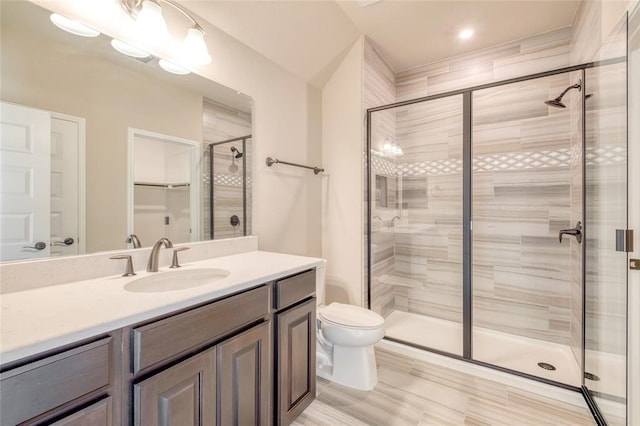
x: 320, y: 282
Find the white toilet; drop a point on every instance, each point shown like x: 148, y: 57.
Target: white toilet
x: 346, y: 335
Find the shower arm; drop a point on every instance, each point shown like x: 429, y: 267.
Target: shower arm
x: 575, y: 86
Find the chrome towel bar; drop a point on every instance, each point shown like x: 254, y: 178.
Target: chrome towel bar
x: 271, y: 161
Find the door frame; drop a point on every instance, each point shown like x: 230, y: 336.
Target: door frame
x: 82, y: 176
x: 194, y: 188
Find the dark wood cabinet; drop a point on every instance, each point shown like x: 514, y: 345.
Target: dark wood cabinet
x: 296, y: 360
x: 212, y: 364
x: 182, y: 395
x: 58, y: 384
x: 98, y: 414
x: 245, y: 378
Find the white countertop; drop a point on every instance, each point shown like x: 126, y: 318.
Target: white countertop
x: 38, y: 320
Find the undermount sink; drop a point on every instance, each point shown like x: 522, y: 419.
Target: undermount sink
x: 176, y: 280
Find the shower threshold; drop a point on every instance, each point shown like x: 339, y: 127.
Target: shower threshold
x: 493, y: 347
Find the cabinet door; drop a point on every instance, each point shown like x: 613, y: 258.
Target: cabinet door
x: 244, y: 378
x: 181, y: 395
x: 296, y: 358
x: 56, y: 381
x: 98, y: 414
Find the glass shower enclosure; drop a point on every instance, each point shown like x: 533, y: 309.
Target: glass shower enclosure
x: 483, y: 205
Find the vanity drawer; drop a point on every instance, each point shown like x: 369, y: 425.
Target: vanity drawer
x: 43, y: 385
x: 294, y: 289
x: 166, y: 338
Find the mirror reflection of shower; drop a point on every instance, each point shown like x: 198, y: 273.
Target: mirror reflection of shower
x: 229, y: 188
x: 233, y: 168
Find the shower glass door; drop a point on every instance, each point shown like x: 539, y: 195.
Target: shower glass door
x: 526, y: 188
x: 416, y: 187
x: 606, y: 212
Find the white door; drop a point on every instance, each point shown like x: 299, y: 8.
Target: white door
x: 25, y: 135
x: 65, y: 139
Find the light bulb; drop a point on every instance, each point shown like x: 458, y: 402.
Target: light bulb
x: 194, y: 49
x: 172, y: 68
x: 151, y: 23
x: 129, y: 50
x: 73, y: 27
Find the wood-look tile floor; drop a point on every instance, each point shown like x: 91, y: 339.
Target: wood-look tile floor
x: 414, y: 392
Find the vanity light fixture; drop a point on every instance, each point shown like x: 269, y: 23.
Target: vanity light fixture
x: 148, y: 15
x: 129, y: 50
x: 172, y: 68
x: 151, y: 22
x: 73, y: 27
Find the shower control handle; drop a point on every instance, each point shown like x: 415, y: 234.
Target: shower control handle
x: 576, y: 232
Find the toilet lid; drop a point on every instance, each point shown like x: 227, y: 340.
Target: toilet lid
x: 350, y: 316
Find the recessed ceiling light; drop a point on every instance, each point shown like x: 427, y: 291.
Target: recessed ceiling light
x: 172, y: 68
x: 466, y: 34
x: 73, y: 27
x: 129, y: 50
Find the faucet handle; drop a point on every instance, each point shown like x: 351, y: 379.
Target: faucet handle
x: 129, y: 271
x: 174, y: 262
x: 133, y: 239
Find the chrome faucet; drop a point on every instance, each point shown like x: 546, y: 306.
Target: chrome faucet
x: 152, y: 265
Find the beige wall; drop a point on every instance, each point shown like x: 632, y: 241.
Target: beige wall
x: 111, y: 98
x: 286, y: 200
x: 342, y: 135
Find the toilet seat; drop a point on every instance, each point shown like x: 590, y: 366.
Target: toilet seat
x: 350, y: 316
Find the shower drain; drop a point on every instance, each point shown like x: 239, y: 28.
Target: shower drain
x: 591, y: 376
x: 546, y: 366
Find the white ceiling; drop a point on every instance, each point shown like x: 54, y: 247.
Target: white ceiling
x: 307, y: 36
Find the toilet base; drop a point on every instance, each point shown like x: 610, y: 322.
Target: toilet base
x: 354, y: 367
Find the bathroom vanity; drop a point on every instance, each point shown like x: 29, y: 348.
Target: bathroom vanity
x: 238, y: 351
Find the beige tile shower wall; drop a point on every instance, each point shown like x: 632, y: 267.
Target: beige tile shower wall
x: 221, y: 122
x: 521, y: 158
x: 427, y: 273
x: 379, y: 88
x: 539, y: 53
x: 510, y: 268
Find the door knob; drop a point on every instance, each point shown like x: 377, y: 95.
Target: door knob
x: 37, y: 246
x: 66, y: 242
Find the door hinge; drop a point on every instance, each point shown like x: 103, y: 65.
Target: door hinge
x: 634, y: 264
x: 624, y: 240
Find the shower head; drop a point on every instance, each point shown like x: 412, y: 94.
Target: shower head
x: 557, y: 102
x: 237, y: 154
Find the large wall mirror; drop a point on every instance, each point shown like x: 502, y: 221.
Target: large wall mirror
x: 72, y: 109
